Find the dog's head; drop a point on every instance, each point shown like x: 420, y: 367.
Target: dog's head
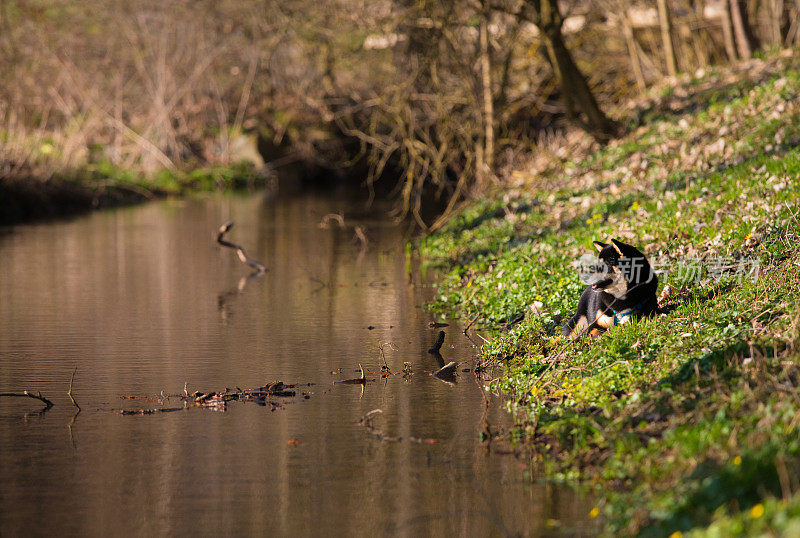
x: 619, y: 268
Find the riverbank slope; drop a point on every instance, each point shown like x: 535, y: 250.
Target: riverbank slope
x: 25, y: 197
x: 688, y: 422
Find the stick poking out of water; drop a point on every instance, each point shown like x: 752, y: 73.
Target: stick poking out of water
x: 258, y: 266
x: 69, y: 392
x: 437, y: 346
x: 27, y: 394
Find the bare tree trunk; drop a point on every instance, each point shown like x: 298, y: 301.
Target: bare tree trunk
x: 636, y: 62
x: 745, y: 40
x: 488, y: 100
x: 686, y: 41
x: 666, y: 37
x: 793, y: 27
x: 575, y: 92
x: 575, y: 89
x: 776, y: 21
x: 727, y: 33
x: 701, y: 41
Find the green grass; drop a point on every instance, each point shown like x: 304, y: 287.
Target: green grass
x: 686, y: 422
x: 773, y: 517
x: 104, y: 185
x: 208, y: 179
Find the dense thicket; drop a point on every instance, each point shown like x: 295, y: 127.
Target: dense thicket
x: 446, y: 96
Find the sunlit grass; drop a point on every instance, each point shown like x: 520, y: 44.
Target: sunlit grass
x: 683, y: 420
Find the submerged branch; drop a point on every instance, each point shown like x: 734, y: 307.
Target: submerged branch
x: 25, y: 394
x: 258, y: 266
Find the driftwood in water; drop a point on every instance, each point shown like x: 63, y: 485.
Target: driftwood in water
x: 447, y: 372
x: 273, y: 389
x: 218, y: 400
x: 258, y: 266
x: 438, y: 344
x: 277, y: 389
x: 149, y: 411
x: 357, y: 380
x: 26, y: 394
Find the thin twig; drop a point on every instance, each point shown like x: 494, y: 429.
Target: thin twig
x: 385, y: 367
x: 69, y: 392
x: 467, y: 328
x: 471, y: 322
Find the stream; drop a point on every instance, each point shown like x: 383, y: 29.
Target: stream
x: 143, y: 300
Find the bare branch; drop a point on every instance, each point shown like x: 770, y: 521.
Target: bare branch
x: 258, y: 266
x: 69, y: 392
x: 26, y: 394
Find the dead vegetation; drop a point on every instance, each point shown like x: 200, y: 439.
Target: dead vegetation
x: 429, y: 101
x: 269, y: 395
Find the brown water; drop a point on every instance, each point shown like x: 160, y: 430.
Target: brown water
x: 143, y: 300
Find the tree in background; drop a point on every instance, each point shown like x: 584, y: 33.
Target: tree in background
x: 746, y: 42
x: 432, y: 100
x: 578, y: 98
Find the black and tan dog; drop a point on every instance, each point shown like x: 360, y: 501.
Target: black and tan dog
x: 621, y: 287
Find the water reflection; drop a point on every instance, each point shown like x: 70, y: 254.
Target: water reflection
x: 142, y: 300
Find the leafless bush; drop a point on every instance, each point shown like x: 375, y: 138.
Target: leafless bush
x: 144, y: 86
x: 445, y: 98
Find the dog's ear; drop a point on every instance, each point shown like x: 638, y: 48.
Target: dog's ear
x: 622, y: 248
x: 599, y: 245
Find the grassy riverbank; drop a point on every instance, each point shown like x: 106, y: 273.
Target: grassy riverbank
x: 27, y: 197
x: 684, y: 423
